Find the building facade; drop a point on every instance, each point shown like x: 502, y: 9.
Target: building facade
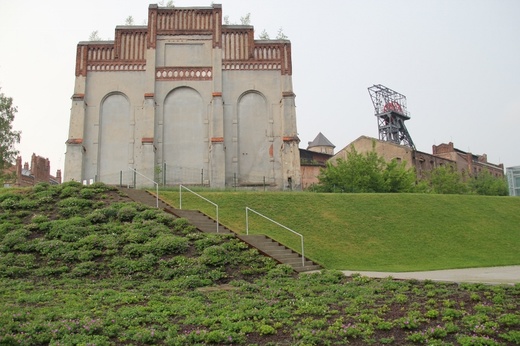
x: 184, y: 100
x: 513, y: 180
x: 469, y: 165
x: 29, y: 175
x: 314, y: 159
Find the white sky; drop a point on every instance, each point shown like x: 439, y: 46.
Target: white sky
x: 456, y: 61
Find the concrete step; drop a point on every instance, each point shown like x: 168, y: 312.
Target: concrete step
x: 298, y: 262
x: 301, y: 269
x: 279, y: 252
x: 206, y: 224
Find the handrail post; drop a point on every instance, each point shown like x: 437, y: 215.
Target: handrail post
x: 196, y: 194
x: 279, y: 224
x: 153, y: 181
x: 247, y: 222
x: 217, y: 217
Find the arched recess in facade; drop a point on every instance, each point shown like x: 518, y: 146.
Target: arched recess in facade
x: 185, y: 150
x: 255, y: 139
x: 115, y: 137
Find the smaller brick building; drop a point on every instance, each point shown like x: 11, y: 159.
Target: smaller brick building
x: 38, y: 171
x: 314, y: 158
x: 467, y: 163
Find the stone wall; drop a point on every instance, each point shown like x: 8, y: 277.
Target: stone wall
x: 205, y: 100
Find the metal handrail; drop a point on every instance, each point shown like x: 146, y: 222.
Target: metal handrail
x: 277, y: 223
x: 156, y: 186
x: 196, y: 194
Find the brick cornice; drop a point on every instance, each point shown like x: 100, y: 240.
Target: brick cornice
x: 74, y: 141
x: 291, y: 139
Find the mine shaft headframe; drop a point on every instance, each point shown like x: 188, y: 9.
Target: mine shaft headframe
x: 386, y: 100
x: 390, y: 110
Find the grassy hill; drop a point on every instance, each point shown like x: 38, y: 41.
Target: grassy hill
x: 383, y: 232
x: 87, y: 266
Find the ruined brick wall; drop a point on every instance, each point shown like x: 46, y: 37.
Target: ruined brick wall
x: 38, y: 171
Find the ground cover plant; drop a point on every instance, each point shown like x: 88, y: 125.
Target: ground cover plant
x: 86, y: 266
x: 377, y: 232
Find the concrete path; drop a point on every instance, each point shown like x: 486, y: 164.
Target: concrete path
x: 492, y: 275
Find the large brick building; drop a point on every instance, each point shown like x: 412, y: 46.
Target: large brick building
x: 184, y: 100
x: 468, y: 164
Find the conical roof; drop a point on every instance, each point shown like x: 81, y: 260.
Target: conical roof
x: 320, y: 141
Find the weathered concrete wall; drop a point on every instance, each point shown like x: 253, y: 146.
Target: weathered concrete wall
x: 185, y: 100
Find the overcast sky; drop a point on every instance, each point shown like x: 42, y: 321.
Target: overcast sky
x: 456, y: 61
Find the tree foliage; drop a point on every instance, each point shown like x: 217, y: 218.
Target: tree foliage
x: 369, y: 172
x: 94, y: 36
x: 366, y: 172
x: 486, y: 184
x: 264, y: 35
x: 281, y: 35
x: 447, y: 180
x: 246, y: 20
x: 8, y: 137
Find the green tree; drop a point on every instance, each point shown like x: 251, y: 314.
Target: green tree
x: 486, y: 184
x: 398, y: 178
x: 366, y: 172
x: 447, y: 180
x: 281, y: 35
x: 246, y: 20
x: 94, y: 36
x: 264, y: 35
x: 8, y: 137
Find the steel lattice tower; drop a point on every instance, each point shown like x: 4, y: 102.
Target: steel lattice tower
x: 390, y: 110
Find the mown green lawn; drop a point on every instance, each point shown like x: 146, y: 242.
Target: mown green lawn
x: 383, y: 232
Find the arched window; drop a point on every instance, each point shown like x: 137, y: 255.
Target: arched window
x: 114, y: 138
x: 254, y: 148
x: 184, y: 133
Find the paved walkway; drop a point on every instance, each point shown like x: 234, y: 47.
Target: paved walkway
x: 492, y: 275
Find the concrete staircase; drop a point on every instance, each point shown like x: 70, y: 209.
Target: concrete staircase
x: 279, y: 252
x: 204, y: 223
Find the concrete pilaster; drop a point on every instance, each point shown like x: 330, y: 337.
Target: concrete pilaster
x: 75, y: 149
x: 217, y: 155
x: 290, y: 153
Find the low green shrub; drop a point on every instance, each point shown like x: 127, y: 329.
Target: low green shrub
x: 97, y: 216
x: 70, y: 190
x: 15, y: 237
x: 126, y: 214
x: 82, y: 203
x: 88, y: 268
x: 168, y: 244
x: 9, y: 203
x: 183, y: 225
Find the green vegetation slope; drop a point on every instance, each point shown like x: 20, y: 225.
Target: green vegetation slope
x: 383, y: 232
x: 86, y: 266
